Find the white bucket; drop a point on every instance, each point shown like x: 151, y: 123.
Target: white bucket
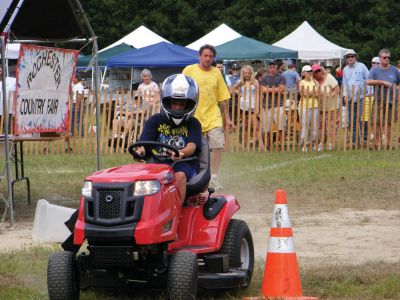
x: 48, y: 225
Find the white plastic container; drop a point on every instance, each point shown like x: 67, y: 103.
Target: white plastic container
x: 48, y: 225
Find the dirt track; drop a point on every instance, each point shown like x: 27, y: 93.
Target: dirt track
x: 342, y: 237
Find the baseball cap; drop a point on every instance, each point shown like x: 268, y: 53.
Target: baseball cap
x: 306, y: 68
x: 376, y: 60
x: 316, y: 67
x: 272, y: 62
x: 235, y: 66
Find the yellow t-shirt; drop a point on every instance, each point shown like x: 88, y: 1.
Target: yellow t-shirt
x: 213, y: 90
x: 309, y: 101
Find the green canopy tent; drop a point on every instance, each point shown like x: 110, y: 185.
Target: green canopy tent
x: 103, y: 56
x: 245, y: 48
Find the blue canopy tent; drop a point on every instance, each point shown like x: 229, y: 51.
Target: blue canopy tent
x: 160, y: 55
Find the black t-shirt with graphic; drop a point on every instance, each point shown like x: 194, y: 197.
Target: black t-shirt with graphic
x: 158, y: 128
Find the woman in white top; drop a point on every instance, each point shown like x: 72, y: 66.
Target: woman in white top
x: 248, y: 89
x: 149, y: 91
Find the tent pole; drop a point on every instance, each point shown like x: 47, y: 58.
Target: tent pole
x: 130, y: 88
x: 13, y: 16
x: 96, y: 77
x: 6, y: 140
x: 103, y: 77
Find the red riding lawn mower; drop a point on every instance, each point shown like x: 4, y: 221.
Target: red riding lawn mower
x: 137, y: 233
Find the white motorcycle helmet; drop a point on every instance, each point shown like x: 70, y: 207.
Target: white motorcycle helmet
x: 179, y: 87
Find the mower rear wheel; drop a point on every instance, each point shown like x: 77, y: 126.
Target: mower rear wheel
x: 183, y: 275
x: 62, y: 277
x: 238, y: 244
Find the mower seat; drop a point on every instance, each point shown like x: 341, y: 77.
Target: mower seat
x: 198, y: 182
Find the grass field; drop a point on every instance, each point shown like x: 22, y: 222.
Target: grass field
x: 326, y: 182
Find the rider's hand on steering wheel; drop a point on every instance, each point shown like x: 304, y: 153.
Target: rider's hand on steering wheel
x: 174, y: 157
x: 141, y: 151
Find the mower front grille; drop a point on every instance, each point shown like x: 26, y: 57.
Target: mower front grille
x: 110, y: 204
x: 113, y: 204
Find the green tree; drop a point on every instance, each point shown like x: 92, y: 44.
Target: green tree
x: 364, y: 25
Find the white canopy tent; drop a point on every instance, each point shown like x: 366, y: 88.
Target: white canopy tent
x: 139, y: 38
x: 310, y: 44
x: 220, y: 35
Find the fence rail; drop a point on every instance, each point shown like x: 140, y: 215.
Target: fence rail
x: 277, y: 122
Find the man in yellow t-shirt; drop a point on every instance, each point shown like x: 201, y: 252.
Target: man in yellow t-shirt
x: 213, y: 100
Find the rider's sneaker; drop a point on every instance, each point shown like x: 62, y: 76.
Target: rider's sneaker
x: 215, y: 183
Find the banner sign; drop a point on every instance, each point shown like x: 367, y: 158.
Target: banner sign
x: 44, y: 77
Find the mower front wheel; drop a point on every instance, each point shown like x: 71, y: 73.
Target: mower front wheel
x: 62, y: 276
x: 183, y: 276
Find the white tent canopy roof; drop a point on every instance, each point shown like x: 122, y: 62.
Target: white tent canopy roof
x: 220, y: 35
x: 310, y: 44
x: 139, y: 38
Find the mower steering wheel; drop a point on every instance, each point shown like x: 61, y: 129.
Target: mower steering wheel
x: 149, y: 146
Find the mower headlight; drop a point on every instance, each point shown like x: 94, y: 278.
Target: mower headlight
x: 146, y: 188
x: 87, y: 189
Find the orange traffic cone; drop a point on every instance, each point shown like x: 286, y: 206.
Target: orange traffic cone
x: 281, y: 274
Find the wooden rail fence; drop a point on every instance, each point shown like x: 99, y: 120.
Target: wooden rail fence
x: 328, y: 128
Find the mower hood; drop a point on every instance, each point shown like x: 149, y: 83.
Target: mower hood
x: 131, y: 172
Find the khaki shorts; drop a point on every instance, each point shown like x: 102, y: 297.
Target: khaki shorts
x: 215, y: 137
x: 272, y: 119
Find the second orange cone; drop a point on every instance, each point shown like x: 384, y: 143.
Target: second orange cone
x: 281, y: 274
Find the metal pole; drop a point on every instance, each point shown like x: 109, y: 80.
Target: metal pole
x: 96, y: 77
x: 5, y: 116
x: 96, y: 92
x: 13, y: 16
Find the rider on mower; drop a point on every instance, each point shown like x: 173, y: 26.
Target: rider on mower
x: 177, y: 126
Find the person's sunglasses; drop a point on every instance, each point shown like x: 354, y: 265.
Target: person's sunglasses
x: 385, y: 57
x: 350, y: 56
x: 309, y: 71
x: 317, y: 71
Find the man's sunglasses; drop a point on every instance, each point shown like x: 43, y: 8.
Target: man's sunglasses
x: 317, y: 71
x: 351, y: 56
x: 385, y: 57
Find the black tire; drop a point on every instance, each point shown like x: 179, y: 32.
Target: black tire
x: 62, y: 276
x: 183, y: 275
x: 238, y: 244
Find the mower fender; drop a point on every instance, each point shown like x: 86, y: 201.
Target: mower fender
x: 79, y: 231
x: 159, y: 219
x: 199, y: 235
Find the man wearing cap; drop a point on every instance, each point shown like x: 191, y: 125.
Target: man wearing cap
x: 375, y: 61
x: 292, y: 79
x: 234, y: 76
x: 273, y: 85
x: 384, y: 77
x: 354, y: 77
